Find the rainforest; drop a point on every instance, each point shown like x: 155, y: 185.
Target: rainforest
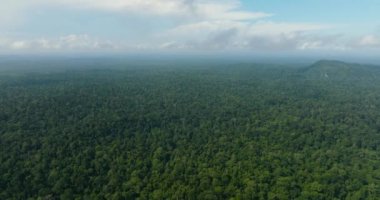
x: 95, y: 129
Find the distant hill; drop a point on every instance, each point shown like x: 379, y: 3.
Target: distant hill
x: 338, y: 70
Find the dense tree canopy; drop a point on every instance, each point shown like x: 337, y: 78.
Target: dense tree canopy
x: 208, y: 132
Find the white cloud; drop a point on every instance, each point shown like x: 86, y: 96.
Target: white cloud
x: 195, y: 9
x: 369, y: 41
x: 69, y: 42
x: 156, y: 7
x: 190, y: 9
x: 19, y: 45
x: 247, y: 29
x: 215, y: 35
x: 264, y: 35
x: 230, y: 10
x: 200, y: 25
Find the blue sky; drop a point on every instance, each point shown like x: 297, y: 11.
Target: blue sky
x: 203, y: 26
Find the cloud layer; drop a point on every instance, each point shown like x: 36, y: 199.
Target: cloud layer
x: 63, y: 43
x: 207, y: 25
